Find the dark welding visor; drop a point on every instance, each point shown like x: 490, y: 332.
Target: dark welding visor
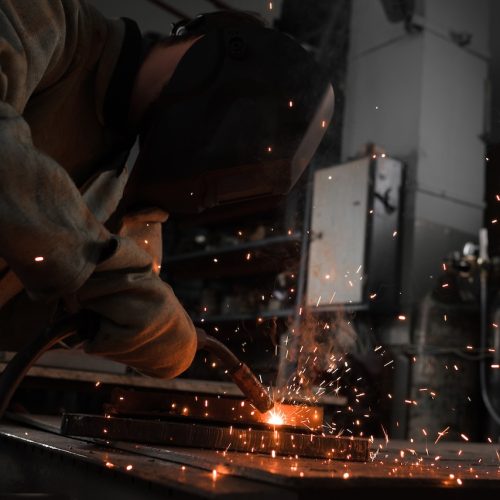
x: 240, y: 118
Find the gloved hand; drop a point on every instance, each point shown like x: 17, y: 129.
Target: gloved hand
x: 142, y: 324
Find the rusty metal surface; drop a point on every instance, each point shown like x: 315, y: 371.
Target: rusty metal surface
x: 398, y: 469
x: 219, y: 409
x: 85, y: 470
x: 215, y: 437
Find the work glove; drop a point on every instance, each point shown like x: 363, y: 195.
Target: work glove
x: 141, y: 322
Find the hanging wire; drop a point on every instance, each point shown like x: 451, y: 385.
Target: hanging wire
x: 218, y: 4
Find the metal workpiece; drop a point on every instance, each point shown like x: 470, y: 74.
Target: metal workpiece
x: 208, y: 409
x: 277, y: 441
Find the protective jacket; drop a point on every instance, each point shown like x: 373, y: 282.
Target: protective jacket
x: 66, y: 74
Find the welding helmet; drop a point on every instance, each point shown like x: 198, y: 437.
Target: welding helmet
x: 240, y: 118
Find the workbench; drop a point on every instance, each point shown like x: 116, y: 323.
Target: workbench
x: 41, y: 460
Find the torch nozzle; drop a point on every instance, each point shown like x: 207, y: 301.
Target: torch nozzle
x: 240, y: 373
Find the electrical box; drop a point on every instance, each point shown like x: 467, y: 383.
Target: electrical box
x: 355, y: 240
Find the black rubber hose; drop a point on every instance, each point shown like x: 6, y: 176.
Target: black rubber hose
x: 19, y: 365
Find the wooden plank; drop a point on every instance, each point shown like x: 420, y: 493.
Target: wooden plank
x: 213, y: 437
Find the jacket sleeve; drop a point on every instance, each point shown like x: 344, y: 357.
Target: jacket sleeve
x: 48, y: 236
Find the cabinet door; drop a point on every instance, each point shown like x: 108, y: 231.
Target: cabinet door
x: 338, y: 241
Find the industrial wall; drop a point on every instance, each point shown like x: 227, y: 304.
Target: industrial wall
x: 420, y: 94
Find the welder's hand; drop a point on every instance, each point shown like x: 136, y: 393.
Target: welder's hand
x: 142, y: 324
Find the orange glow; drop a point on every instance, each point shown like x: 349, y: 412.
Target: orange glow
x: 275, y: 418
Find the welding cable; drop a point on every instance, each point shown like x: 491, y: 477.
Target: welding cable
x: 19, y: 365
x: 483, y: 301
x: 218, y: 4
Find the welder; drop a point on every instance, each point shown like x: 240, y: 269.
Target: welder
x: 225, y: 110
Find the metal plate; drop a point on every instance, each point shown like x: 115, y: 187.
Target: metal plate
x: 211, y: 409
x: 215, y: 437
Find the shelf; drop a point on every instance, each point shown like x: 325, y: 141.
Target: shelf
x: 244, y: 317
x: 270, y: 255
x: 251, y: 245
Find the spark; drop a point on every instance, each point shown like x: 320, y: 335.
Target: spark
x: 401, y: 317
x: 249, y: 255
x: 441, y: 434
x: 394, y: 234
x: 129, y: 467
x: 214, y: 474
x: 290, y: 104
x: 270, y: 5
x: 39, y: 259
x: 323, y: 124
x: 464, y: 437
x: 216, y: 260
x: 269, y: 149
x: 97, y: 384
x: 345, y: 475
x: 495, y: 366
x: 109, y: 465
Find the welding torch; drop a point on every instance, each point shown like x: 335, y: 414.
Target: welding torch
x: 239, y: 372
x: 83, y: 323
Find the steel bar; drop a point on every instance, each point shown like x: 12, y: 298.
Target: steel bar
x: 215, y: 437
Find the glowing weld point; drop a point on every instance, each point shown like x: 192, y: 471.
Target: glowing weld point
x: 275, y: 418
x: 39, y: 259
